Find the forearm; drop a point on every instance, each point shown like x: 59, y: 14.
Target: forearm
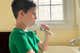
x: 31, y: 51
x: 44, y: 44
x: 46, y: 30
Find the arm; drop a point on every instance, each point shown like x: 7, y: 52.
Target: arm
x: 44, y: 45
x: 31, y: 51
x: 22, y: 44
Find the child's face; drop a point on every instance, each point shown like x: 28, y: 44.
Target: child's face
x: 29, y: 18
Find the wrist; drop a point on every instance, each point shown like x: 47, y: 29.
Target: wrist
x: 47, y: 32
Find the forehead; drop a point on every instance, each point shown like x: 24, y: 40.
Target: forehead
x: 33, y: 9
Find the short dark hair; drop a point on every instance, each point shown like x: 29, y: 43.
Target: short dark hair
x: 24, y: 5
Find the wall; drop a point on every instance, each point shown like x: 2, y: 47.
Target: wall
x: 78, y: 14
x: 6, y: 18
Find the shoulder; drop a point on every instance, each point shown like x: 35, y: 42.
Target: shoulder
x: 16, y: 34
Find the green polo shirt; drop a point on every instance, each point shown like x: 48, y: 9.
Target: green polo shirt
x: 21, y: 41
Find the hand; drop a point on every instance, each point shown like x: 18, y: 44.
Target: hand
x: 44, y: 27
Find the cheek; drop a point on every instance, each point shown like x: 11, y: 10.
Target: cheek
x: 32, y: 18
x: 29, y: 18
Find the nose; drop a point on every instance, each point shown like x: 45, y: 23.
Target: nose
x: 35, y: 17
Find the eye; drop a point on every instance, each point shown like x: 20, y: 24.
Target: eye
x: 34, y: 14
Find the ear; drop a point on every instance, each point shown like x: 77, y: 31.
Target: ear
x: 21, y: 14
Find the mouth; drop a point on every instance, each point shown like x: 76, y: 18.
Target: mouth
x: 32, y: 23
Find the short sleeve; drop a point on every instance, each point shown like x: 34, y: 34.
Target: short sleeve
x: 22, y: 44
x: 37, y: 37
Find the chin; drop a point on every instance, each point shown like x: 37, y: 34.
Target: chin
x: 32, y: 25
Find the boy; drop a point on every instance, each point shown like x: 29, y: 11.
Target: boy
x: 19, y: 40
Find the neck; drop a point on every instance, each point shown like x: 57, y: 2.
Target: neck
x: 21, y: 26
